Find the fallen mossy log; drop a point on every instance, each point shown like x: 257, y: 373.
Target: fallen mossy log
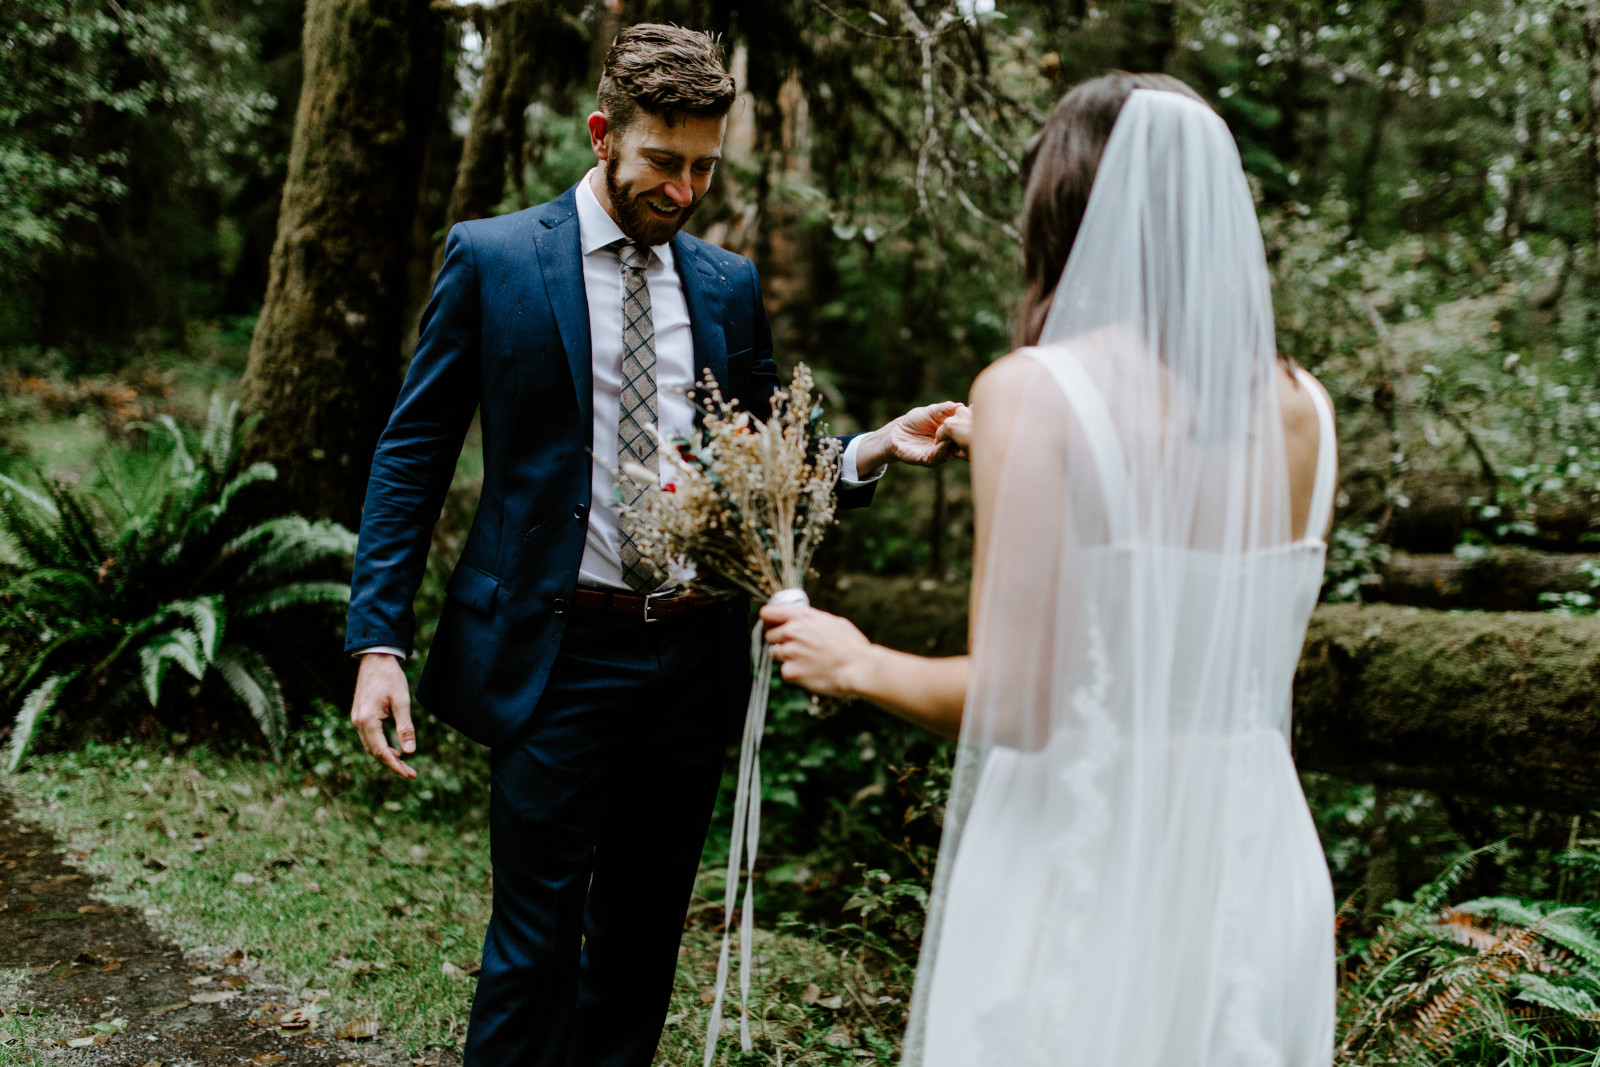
x: 1504, y: 705
x: 1441, y: 506
x: 1498, y: 704
x: 1495, y: 579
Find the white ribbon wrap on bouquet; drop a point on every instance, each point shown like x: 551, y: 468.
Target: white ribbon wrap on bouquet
x: 746, y: 834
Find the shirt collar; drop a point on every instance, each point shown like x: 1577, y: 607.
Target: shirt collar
x: 596, y: 229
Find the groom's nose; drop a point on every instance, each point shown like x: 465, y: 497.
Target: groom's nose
x: 681, y: 192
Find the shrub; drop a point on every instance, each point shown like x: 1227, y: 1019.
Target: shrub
x: 1475, y: 982
x: 105, y: 589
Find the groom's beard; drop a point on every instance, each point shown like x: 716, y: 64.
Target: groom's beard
x: 634, y: 217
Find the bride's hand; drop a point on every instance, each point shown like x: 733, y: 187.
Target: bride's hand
x: 957, y: 430
x: 818, y: 651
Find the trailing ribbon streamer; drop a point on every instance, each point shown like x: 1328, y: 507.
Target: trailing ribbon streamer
x: 746, y: 822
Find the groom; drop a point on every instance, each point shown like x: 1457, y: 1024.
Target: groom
x: 605, y: 696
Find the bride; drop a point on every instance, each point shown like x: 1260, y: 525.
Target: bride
x: 1129, y: 875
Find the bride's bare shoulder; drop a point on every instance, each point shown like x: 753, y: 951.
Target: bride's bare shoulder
x: 1296, y: 404
x: 1007, y: 379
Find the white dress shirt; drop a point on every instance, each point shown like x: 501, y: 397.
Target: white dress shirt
x: 601, y: 566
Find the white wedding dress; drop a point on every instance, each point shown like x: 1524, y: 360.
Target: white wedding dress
x: 1130, y: 876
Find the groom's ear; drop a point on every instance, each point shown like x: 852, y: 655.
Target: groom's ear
x: 600, y: 135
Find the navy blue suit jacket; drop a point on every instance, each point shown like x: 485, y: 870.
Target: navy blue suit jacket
x: 507, y: 331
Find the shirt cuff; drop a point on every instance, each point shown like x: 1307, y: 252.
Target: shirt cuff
x: 849, y: 477
x: 397, y: 653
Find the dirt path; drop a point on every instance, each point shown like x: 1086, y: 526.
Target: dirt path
x: 98, y: 964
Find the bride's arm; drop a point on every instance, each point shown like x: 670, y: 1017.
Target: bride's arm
x: 828, y: 655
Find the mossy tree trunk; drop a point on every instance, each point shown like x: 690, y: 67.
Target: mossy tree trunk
x: 492, y: 153
x: 324, y: 364
x: 1504, y: 705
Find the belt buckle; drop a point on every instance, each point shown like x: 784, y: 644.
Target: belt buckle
x: 669, y: 594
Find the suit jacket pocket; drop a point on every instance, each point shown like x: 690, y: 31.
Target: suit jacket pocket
x: 473, y: 587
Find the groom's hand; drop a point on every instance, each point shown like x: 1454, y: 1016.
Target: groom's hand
x: 912, y: 438
x: 383, y: 692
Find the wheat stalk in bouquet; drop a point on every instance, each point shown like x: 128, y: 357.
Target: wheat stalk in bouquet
x: 746, y: 504
x: 749, y: 502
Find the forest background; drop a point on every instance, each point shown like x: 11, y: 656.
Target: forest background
x: 210, y: 203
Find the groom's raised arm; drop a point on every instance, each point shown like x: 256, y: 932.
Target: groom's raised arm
x: 416, y: 457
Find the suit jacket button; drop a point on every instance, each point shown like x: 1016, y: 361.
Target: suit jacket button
x: 559, y: 605
x: 580, y: 512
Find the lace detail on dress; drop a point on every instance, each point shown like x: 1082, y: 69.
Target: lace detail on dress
x: 1016, y: 1030
x: 1243, y: 1043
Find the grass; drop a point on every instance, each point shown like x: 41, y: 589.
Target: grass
x: 243, y: 854
x: 383, y: 902
x: 22, y: 1027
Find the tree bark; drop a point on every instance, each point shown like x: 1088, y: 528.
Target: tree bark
x: 325, y: 360
x: 1591, y: 43
x: 1501, y: 705
x: 492, y: 152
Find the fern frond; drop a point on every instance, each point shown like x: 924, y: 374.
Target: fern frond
x: 77, y: 525
x: 174, y: 646
x: 33, y: 530
x: 293, y: 595
x: 55, y: 583
x: 253, y: 682
x: 182, y: 461
x: 216, y: 436
x: 1566, y: 999
x: 39, y: 501
x: 287, y: 544
x: 209, y: 619
x: 35, y: 707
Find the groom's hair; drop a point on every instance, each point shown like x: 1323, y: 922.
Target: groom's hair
x: 1058, y: 171
x: 667, y: 71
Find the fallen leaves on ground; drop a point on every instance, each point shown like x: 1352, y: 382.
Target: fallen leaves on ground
x: 361, y: 1028
x: 300, y: 1018
x: 214, y: 996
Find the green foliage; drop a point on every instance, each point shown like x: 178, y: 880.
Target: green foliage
x: 104, y: 590
x: 1354, y: 556
x: 1491, y: 980
x: 80, y: 78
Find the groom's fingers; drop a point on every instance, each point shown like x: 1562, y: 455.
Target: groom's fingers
x: 369, y: 724
x: 402, y: 726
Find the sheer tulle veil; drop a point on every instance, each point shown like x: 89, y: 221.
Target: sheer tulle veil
x: 1133, y: 646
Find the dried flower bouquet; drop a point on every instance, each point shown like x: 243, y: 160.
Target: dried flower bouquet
x: 748, y: 502
x: 746, y: 507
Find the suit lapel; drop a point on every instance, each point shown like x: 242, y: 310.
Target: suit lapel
x: 561, y: 261
x: 704, y: 297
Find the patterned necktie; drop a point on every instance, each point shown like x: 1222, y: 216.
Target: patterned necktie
x: 638, y: 404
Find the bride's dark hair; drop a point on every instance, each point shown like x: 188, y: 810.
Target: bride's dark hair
x: 1059, y: 167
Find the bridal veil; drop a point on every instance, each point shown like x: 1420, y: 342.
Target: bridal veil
x: 1129, y: 876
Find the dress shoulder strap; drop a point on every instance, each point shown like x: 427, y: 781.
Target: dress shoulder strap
x: 1094, y: 417
x: 1327, y: 460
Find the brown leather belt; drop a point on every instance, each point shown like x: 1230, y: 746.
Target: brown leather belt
x: 649, y: 608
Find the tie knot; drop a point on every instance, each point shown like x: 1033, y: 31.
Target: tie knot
x: 634, y: 256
